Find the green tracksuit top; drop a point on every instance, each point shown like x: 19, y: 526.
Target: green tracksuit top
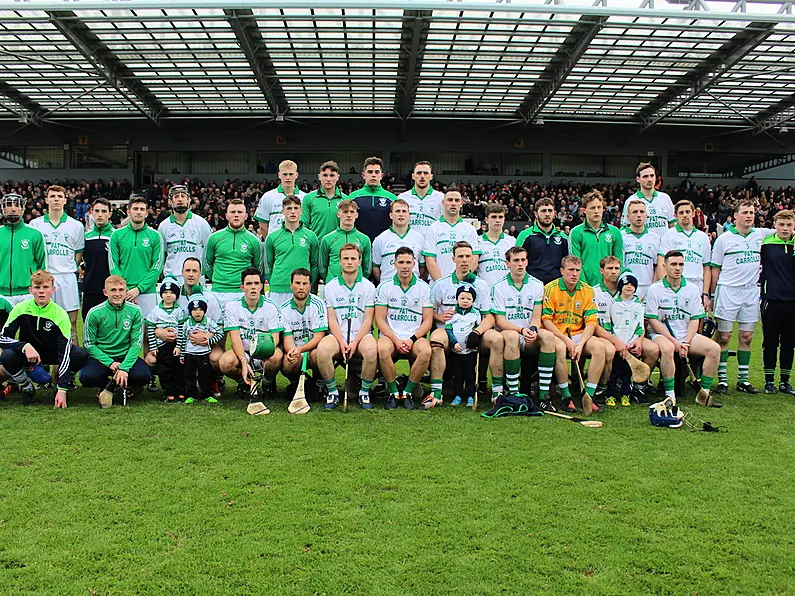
x: 136, y: 255
x: 228, y: 252
x: 592, y: 245
x: 329, y: 259
x: 286, y: 251
x: 319, y: 213
x: 114, y: 334
x: 23, y: 251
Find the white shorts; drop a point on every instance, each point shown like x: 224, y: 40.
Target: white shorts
x: 146, y: 302
x: 66, y: 295
x: 224, y: 297
x: 280, y: 298
x: 739, y: 305
x: 14, y: 300
x: 578, y: 338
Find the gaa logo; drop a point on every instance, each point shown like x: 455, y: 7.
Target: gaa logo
x: 126, y: 324
x: 145, y: 242
x: 25, y: 244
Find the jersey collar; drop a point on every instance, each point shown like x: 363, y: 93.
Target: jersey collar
x: 563, y: 287
x: 537, y: 230
x: 678, y: 228
x: 458, y: 221
x: 606, y: 289
x: 172, y: 220
x: 426, y: 195
x: 392, y: 229
x: 260, y: 302
x: 668, y: 285
x: 524, y: 281
x: 469, y: 278
x: 358, y: 279
x: 487, y: 239
x: 628, y: 230
x: 640, y: 195
x: 413, y: 281
x: 60, y: 221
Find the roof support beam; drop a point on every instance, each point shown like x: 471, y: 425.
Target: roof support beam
x: 705, y: 75
x: 413, y: 38
x: 775, y: 115
x: 560, y: 66
x: 251, y: 42
x: 30, y: 109
x: 107, y: 64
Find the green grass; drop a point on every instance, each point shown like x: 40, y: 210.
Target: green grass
x: 205, y: 499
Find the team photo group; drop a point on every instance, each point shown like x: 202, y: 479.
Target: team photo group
x: 362, y: 281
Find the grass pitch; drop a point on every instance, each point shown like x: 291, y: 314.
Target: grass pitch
x: 207, y: 500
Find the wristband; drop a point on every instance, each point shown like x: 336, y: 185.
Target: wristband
x: 413, y: 338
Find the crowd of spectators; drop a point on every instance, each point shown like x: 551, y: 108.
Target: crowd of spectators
x: 714, y: 202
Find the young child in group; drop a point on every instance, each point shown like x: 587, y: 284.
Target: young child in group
x: 164, y: 353
x: 463, y: 359
x: 626, y: 323
x: 197, y: 357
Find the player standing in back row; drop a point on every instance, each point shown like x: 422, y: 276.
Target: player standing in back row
x: 65, y: 240
x: 184, y: 233
x: 659, y: 208
x: 735, y: 272
x: 373, y: 201
x: 425, y: 203
x: 442, y: 236
x: 269, y: 210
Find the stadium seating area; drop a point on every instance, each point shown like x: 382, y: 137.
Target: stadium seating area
x: 715, y: 202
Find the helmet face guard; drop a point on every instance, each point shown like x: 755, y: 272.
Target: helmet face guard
x: 666, y: 415
x: 174, y: 191
x: 11, y: 200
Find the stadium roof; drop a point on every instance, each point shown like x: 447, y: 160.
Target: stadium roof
x: 698, y: 62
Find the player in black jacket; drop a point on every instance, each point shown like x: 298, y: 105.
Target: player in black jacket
x: 778, y: 301
x: 545, y: 244
x: 95, y: 256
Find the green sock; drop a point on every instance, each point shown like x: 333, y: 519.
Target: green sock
x: 743, y: 361
x: 496, y: 385
x: 512, y: 368
x: 564, y: 390
x: 436, y: 388
x: 668, y: 385
x: 723, y: 376
x: 785, y: 374
x: 391, y: 386
x: 546, y: 366
x: 409, y: 387
x: 706, y: 382
x: 331, y: 385
x: 770, y: 375
x: 366, y: 384
x: 590, y: 388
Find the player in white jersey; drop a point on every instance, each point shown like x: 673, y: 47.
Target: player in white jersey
x: 350, y: 301
x: 736, y: 261
x: 659, y: 208
x: 243, y: 319
x: 425, y: 203
x: 516, y: 304
x: 399, y: 234
x: 673, y: 310
x: 64, y: 239
x: 443, y: 297
x: 442, y: 235
x: 493, y: 246
x: 403, y: 315
x: 692, y: 243
x: 640, y: 246
x: 269, y: 210
x: 305, y: 324
x: 184, y: 233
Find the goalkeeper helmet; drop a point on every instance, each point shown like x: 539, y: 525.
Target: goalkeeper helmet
x: 178, y: 189
x: 12, y: 200
x: 665, y: 413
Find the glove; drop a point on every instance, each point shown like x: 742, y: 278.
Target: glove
x: 473, y: 341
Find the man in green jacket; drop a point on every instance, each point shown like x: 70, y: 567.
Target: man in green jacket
x: 135, y: 252
x: 329, y: 259
x: 319, y: 207
x: 113, y: 334
x: 229, y: 252
x: 22, y: 248
x: 374, y: 202
x: 291, y: 247
x: 593, y: 239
